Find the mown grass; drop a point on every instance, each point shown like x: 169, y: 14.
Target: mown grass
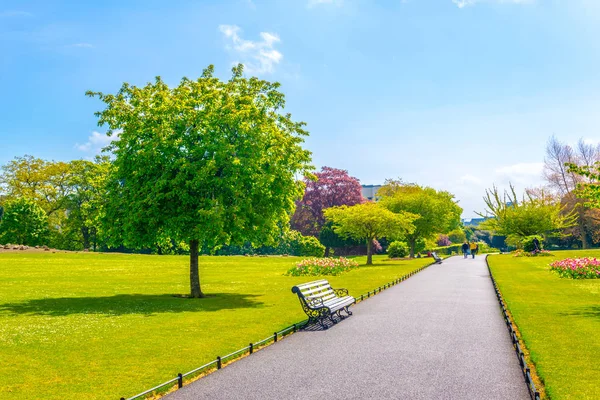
x: 98, y: 326
x: 559, y: 320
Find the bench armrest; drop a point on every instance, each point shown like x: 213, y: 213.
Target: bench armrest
x: 340, y: 292
x: 315, y: 303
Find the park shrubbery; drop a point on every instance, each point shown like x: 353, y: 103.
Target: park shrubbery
x: 577, y: 268
x: 322, y: 266
x: 523, y: 253
x: 397, y: 249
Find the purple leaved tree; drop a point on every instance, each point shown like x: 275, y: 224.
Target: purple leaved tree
x: 334, y: 187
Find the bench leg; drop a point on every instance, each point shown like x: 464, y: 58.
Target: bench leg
x: 348, y: 310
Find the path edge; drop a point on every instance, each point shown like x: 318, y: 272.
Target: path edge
x: 178, y: 382
x: 517, y: 342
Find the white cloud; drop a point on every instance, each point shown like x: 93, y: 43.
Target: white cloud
x: 466, y: 3
x: 469, y: 179
x: 258, y: 57
x: 96, y: 142
x: 9, y: 14
x: 313, y: 3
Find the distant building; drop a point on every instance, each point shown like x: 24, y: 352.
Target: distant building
x: 473, y: 221
x: 369, y: 192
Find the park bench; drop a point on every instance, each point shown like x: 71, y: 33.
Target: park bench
x: 437, y: 258
x: 320, y: 301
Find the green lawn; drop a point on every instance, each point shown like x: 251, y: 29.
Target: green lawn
x: 98, y: 326
x: 559, y: 320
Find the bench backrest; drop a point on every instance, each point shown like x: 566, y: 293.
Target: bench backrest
x: 314, y: 290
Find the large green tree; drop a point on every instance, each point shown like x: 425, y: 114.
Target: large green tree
x: 369, y: 221
x: 532, y: 215
x: 437, y: 211
x: 209, y: 162
x: 86, y: 200
x: 23, y: 222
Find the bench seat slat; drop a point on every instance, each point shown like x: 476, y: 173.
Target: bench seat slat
x: 311, y: 284
x: 315, y: 290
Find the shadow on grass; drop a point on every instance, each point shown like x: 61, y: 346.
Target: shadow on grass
x: 590, y: 312
x: 123, y: 304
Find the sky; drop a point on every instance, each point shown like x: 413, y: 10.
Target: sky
x: 459, y: 95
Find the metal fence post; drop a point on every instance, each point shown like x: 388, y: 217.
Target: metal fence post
x: 179, y: 381
x: 218, y: 362
x: 275, y: 337
x: 251, y: 348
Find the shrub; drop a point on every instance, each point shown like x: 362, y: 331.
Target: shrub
x: 322, y: 266
x: 523, y: 253
x: 527, y: 243
x: 577, y: 268
x: 306, y: 246
x: 377, y: 246
x: 397, y: 250
x: 457, y: 236
x: 443, y: 240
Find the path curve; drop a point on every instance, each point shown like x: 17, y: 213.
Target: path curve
x: 438, y: 335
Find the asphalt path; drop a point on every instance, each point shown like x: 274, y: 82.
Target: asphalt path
x: 438, y: 335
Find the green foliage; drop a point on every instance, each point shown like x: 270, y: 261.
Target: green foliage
x: 527, y: 243
x: 457, y: 236
x: 322, y: 266
x: 207, y: 162
x: 71, y: 194
x: 369, y: 221
x: 519, y: 219
x: 436, y: 211
x: 330, y: 239
x: 397, y: 249
x: 306, y: 246
x: 588, y: 188
x: 23, y: 222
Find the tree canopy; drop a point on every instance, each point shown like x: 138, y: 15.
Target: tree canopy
x: 437, y: 211
x: 208, y: 162
x: 333, y: 187
x: 23, y: 222
x: 517, y: 219
x: 369, y: 221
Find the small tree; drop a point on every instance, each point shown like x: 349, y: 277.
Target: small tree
x: 517, y: 219
x: 368, y: 222
x: 207, y: 162
x: 23, y: 222
x: 333, y: 187
x: 437, y: 211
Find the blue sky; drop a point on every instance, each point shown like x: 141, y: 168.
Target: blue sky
x: 455, y: 94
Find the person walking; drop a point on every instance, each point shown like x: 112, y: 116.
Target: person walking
x: 473, y: 246
x: 465, y: 249
x: 536, y: 245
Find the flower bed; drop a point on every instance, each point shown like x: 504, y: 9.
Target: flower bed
x: 577, y: 268
x: 322, y: 266
x: 523, y: 253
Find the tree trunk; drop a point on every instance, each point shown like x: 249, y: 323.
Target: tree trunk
x: 195, y: 290
x: 582, y: 232
x: 85, y: 232
x: 412, y: 243
x: 326, y: 251
x: 369, y: 252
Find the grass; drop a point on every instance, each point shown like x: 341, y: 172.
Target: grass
x: 559, y: 320
x: 97, y: 326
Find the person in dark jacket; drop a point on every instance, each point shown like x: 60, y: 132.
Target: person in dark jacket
x: 465, y: 249
x: 536, y: 245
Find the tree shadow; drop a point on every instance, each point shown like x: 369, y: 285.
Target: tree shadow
x: 590, y: 312
x: 124, y: 304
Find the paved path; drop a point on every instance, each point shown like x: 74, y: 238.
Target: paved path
x: 438, y: 335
